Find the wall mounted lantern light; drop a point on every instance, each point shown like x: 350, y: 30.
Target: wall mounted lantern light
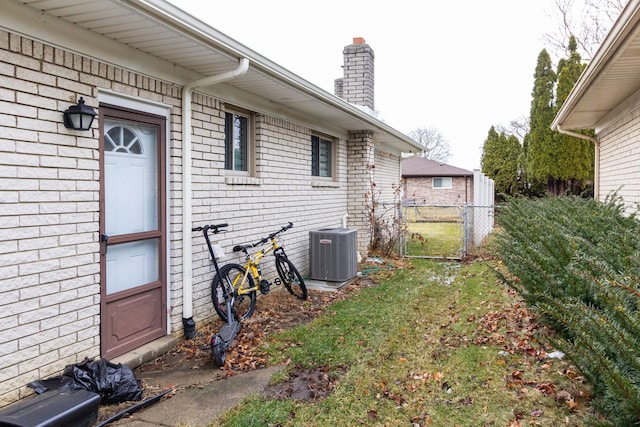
x: 79, y: 116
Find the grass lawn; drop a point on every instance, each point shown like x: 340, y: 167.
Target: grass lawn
x: 442, y: 344
x: 441, y: 239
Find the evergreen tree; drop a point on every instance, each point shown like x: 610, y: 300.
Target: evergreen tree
x: 500, y: 161
x: 540, y: 141
x: 575, y: 156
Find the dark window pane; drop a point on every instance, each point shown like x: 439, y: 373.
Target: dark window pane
x: 228, y: 141
x: 236, y: 142
x: 315, y: 142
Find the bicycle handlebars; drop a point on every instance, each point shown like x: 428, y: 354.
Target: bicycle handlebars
x: 217, y: 228
x: 272, y: 235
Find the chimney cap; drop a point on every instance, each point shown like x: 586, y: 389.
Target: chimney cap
x: 358, y: 40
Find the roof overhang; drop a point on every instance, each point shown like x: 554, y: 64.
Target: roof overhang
x: 610, y: 84
x: 155, y: 38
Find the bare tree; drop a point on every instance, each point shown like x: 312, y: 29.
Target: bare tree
x: 588, y: 21
x: 518, y: 128
x: 436, y: 147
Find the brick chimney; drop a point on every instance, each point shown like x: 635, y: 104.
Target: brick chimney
x: 356, y: 87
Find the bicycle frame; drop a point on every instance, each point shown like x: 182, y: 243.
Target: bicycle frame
x: 252, y: 266
x: 241, y: 282
x: 252, y: 261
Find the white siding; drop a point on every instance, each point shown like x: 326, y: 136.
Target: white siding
x: 387, y: 176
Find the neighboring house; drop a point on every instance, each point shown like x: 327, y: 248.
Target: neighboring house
x: 606, y: 98
x: 97, y: 256
x: 430, y: 182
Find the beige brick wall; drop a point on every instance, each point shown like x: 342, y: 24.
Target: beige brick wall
x: 357, y: 85
x: 49, y: 263
x: 49, y: 191
x: 281, y: 190
x: 421, y: 189
x: 361, y: 158
x: 619, y: 160
x: 49, y: 222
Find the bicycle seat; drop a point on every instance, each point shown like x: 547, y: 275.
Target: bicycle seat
x: 241, y: 248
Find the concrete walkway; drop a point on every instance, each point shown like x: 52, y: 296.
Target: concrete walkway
x: 201, y: 395
x: 200, y: 398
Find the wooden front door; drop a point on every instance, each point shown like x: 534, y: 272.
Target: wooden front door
x: 132, y: 224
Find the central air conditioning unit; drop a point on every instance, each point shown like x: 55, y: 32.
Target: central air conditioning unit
x: 333, y: 254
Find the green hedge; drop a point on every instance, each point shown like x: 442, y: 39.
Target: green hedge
x: 577, y: 261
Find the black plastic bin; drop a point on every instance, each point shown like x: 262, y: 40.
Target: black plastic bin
x: 54, y: 408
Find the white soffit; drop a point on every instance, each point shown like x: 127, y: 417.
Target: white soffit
x: 160, y: 30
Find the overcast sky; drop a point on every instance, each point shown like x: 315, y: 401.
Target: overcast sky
x: 457, y: 66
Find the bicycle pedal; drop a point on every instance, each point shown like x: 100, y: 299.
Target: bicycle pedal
x: 277, y: 282
x: 264, y: 287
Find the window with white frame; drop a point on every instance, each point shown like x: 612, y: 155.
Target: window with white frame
x: 442, y: 182
x: 321, y: 157
x: 238, y: 140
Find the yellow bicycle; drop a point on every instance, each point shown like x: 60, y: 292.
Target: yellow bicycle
x: 243, y: 281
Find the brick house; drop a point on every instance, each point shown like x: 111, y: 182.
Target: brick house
x: 606, y: 98
x: 191, y: 128
x: 430, y: 182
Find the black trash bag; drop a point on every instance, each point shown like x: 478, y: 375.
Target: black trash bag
x: 115, y: 383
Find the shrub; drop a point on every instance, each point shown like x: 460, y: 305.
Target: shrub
x: 577, y: 261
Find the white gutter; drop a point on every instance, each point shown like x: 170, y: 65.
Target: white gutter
x: 187, y: 255
x: 596, y: 164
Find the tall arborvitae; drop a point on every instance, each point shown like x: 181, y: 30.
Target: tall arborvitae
x: 541, y: 145
x: 500, y: 155
x: 575, y: 156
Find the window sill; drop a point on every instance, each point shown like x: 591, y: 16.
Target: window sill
x: 242, y: 180
x: 325, y: 184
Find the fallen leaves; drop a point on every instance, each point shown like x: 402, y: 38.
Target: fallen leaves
x: 514, y: 328
x: 275, y: 312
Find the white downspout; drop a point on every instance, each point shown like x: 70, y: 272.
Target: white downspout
x: 187, y: 255
x: 596, y: 165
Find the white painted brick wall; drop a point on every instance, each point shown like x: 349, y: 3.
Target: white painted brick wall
x: 619, y: 157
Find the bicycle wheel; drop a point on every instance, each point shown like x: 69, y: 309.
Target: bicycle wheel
x: 218, y: 350
x: 291, y: 277
x: 242, y: 304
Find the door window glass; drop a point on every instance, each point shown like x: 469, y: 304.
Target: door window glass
x: 131, y: 178
x: 132, y: 264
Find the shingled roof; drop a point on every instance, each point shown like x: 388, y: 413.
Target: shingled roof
x: 419, y: 166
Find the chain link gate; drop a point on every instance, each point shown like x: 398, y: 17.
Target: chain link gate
x: 443, y: 231
x: 432, y: 231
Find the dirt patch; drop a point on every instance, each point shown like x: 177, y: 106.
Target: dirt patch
x: 305, y: 385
